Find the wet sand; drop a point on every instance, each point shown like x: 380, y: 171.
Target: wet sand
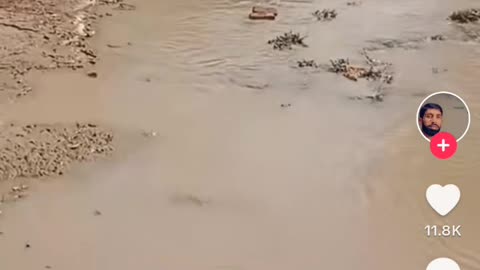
x: 233, y: 180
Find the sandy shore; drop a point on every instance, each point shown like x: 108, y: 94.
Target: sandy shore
x: 40, y: 36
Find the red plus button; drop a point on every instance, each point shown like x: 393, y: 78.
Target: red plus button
x: 443, y: 145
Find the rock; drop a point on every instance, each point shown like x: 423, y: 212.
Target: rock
x: 97, y: 213
x: 92, y: 74
x: 27, y: 245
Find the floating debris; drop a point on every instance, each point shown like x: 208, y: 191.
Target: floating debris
x: 407, y: 44
x: 339, y: 65
x: 465, y: 16
x: 285, y: 105
x: 470, y: 32
x: 149, y: 133
x: 109, y: 2
x: 307, y: 63
x: 189, y: 199
x: 376, y: 96
x: 287, y: 40
x: 438, y: 70
x: 325, y: 15
x: 114, y: 46
x: 125, y: 6
x: 438, y: 37
x: 354, y: 3
x: 376, y: 69
x: 19, y: 188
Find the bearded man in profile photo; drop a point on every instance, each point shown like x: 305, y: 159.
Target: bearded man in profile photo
x: 430, y: 119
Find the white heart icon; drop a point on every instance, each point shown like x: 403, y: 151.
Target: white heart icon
x: 443, y: 199
x: 443, y: 264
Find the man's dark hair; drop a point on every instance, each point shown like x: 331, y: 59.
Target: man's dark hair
x: 429, y: 106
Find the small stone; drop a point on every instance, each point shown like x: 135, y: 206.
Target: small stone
x: 27, y: 245
x: 92, y: 74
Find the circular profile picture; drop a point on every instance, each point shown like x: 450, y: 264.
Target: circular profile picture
x: 443, y: 112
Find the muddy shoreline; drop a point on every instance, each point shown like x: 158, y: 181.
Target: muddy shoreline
x: 42, y: 36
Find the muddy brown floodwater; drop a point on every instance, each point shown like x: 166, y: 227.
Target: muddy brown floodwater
x: 234, y: 180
